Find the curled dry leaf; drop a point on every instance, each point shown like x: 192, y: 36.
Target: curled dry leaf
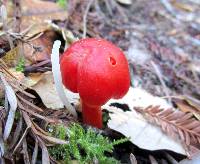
x: 10, y: 94
x: 44, y: 43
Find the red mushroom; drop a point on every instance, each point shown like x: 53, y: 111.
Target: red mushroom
x: 98, y: 71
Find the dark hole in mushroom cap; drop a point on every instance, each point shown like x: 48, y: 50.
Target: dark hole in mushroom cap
x: 113, y: 61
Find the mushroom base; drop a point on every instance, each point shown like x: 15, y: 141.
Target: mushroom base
x: 92, y: 115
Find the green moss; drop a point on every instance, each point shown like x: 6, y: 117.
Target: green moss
x: 21, y: 65
x: 62, y: 3
x: 84, y: 146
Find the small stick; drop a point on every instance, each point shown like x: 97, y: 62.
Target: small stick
x: 3, y: 15
x: 85, y: 18
x: 166, y: 91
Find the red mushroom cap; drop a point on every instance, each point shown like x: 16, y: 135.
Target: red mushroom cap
x: 96, y: 69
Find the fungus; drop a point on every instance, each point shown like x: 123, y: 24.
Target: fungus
x: 98, y: 71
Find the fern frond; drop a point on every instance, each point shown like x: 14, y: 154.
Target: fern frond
x: 176, y: 124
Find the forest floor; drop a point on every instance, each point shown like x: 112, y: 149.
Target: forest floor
x: 160, y: 38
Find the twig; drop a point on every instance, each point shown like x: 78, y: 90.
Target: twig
x: 35, y: 152
x: 188, y: 81
x: 108, y: 7
x: 42, y: 66
x: 194, y: 41
x: 16, y: 133
x: 19, y: 37
x: 21, y: 139
x: 85, y: 18
x: 3, y: 15
x: 168, y: 7
x: 165, y: 89
x: 18, y: 14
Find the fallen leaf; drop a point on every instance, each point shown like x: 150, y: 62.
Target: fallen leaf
x: 47, y: 92
x: 185, y: 107
x: 194, y: 160
x: 141, y: 133
x: 45, y: 44
x: 33, y: 79
x: 192, y: 101
x: 130, y: 123
x: 11, y: 56
x: 18, y: 75
x: 133, y: 125
x: 125, y: 2
x: 183, y: 6
x: 33, y: 12
x: 138, y: 97
x: 11, y: 97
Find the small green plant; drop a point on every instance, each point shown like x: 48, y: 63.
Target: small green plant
x: 21, y: 65
x: 84, y: 146
x: 62, y: 3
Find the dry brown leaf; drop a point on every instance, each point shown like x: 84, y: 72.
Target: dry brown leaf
x: 33, y: 79
x: 39, y: 11
x: 188, y: 106
x: 183, y: 6
x: 47, y: 92
x: 192, y: 101
x: 11, y: 56
x: 45, y: 42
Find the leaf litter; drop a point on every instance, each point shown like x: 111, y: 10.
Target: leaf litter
x: 165, y: 33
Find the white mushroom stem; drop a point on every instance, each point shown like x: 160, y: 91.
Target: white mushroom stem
x: 57, y: 78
